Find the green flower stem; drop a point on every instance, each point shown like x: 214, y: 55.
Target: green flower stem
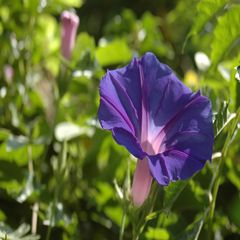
x: 139, y: 215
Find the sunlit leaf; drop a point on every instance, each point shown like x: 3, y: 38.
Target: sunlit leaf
x: 112, y: 53
x: 157, y: 234
x: 4, y: 133
x: 114, y: 213
x: 222, y: 119
x: 226, y: 33
x: 57, y: 6
x: 46, y: 44
x: 85, y: 44
x: 232, y: 132
x: 206, y: 10
x: 69, y: 3
x: 104, y: 194
x: 104, y: 153
x: 151, y: 38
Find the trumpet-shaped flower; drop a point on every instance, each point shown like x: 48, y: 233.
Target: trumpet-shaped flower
x: 159, y: 120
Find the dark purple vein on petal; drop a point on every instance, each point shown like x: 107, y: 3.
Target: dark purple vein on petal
x: 191, y: 132
x: 121, y: 90
x: 105, y: 99
x: 165, y: 170
x: 179, y: 152
x: 166, y: 89
x: 176, y: 116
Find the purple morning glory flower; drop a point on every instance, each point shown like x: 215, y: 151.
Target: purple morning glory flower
x: 159, y: 120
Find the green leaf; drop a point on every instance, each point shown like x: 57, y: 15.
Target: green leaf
x: 172, y: 192
x: 104, y: 194
x: 226, y: 33
x: 11, y: 176
x: 157, y: 234
x: 222, y: 119
x: 57, y: 6
x: 232, y: 132
x: 233, y: 176
x: 112, y: 53
x: 31, y: 5
x: 84, y: 50
x: 16, y: 149
x: 4, y: 134
x: 114, y: 213
x: 104, y: 153
x: 206, y: 9
x: 121, y: 24
x: 69, y: 3
x: 151, y: 38
x: 46, y: 43
x: 233, y: 210
x: 193, y: 230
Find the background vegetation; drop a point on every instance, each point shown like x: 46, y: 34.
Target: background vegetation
x: 61, y: 176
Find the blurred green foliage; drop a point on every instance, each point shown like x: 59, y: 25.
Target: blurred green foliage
x: 61, y: 176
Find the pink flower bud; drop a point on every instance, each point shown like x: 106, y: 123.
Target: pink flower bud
x: 69, y: 22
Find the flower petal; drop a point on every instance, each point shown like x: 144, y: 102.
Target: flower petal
x: 187, y: 140
x: 120, y: 106
x: 164, y: 93
x: 158, y: 169
x: 173, y: 165
x: 129, y: 79
x: 120, y: 89
x: 141, y: 98
x: 111, y: 116
x: 126, y: 139
x: 191, y: 130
